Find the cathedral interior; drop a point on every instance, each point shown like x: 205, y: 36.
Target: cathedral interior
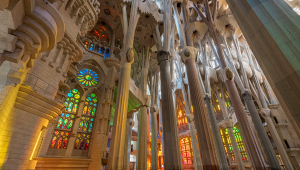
x: 149, y: 85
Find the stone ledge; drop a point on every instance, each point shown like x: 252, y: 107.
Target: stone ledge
x: 62, y: 163
x: 36, y: 103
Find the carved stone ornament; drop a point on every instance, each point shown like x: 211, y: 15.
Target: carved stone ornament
x: 207, y: 98
x: 247, y: 95
x: 227, y: 74
x: 265, y: 112
x: 162, y: 56
x: 153, y: 109
x: 187, y: 53
x: 129, y: 55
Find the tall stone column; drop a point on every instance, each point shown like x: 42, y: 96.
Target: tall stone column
x: 170, y: 137
x: 142, y: 128
x: 154, y: 158
x: 216, y: 133
x: 116, y: 154
x: 188, y: 55
x: 131, y: 123
x: 264, y: 140
x: 190, y: 119
x: 142, y: 139
x: 266, y: 113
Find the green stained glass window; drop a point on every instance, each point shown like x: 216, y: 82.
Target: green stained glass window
x: 88, y: 77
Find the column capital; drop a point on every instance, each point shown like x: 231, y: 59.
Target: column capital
x: 188, y: 52
x: 207, y: 98
x: 130, y: 55
x: 247, y: 95
x: 190, y: 118
x: 226, y: 74
x: 153, y: 109
x: 162, y: 56
x: 265, y: 112
x: 228, y: 123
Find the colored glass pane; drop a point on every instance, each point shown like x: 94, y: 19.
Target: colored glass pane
x: 90, y: 110
x: 86, y: 124
x: 76, y: 144
x: 90, y: 127
x: 84, y: 110
x: 70, y: 106
x: 59, y: 124
x: 94, y: 110
x: 81, y: 126
x: 88, y: 77
x: 74, y: 108
x: 59, y: 142
x: 64, y: 146
x: 65, y: 124
x: 53, y: 142
x: 81, y: 144
x: 186, y: 151
x: 70, y: 124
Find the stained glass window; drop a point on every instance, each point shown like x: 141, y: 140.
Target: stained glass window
x: 72, y: 101
x: 66, y: 120
x: 228, y: 146
x: 60, y: 139
x: 186, y: 151
x: 83, y: 141
x: 88, y: 77
x: 86, y: 122
x: 92, y: 47
x: 239, y: 141
x: 181, y: 116
x: 86, y: 43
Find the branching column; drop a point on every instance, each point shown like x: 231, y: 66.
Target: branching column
x: 116, y: 155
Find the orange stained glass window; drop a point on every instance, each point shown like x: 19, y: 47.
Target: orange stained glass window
x: 186, y: 151
x: 181, y: 116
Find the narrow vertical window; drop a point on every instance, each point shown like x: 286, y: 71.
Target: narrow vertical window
x: 87, y: 119
x: 65, y: 122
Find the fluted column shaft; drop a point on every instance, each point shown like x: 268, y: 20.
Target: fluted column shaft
x: 170, y: 137
x: 201, y: 117
x: 154, y: 157
x: 264, y: 140
x: 142, y: 139
x: 116, y: 153
x: 216, y: 134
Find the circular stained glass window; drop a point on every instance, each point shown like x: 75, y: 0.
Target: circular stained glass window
x: 88, y: 77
